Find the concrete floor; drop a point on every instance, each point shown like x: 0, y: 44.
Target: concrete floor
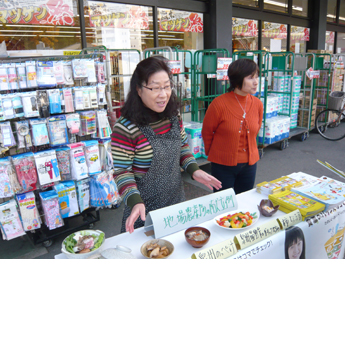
x: 299, y: 156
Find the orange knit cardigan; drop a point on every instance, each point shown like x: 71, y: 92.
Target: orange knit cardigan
x: 221, y: 128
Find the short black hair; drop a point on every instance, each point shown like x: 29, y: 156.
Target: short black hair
x: 292, y: 234
x: 240, y: 69
x: 134, y: 109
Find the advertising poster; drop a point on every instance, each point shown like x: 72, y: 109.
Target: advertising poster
x: 47, y: 12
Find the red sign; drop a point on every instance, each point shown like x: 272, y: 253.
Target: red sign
x: 51, y: 12
x: 192, y: 23
x: 246, y: 30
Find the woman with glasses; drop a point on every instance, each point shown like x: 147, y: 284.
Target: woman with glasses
x: 149, y: 146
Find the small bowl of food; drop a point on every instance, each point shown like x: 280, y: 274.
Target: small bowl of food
x: 157, y: 249
x: 197, y: 236
x: 266, y: 208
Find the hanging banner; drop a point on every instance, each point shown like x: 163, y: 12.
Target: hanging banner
x: 244, y: 27
x: 47, y: 12
x: 299, y: 33
x: 274, y: 30
x: 172, y: 20
x: 107, y: 14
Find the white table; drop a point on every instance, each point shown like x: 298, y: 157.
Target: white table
x: 315, y: 236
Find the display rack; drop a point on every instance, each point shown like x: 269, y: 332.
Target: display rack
x: 307, y: 104
x: 89, y: 216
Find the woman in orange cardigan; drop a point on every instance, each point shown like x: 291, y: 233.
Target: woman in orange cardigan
x: 230, y: 127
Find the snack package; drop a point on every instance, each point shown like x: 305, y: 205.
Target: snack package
x: 4, y: 85
x: 47, y: 167
x: 83, y: 194
x: 21, y: 75
x: 11, y: 226
x: 25, y: 168
x: 63, y: 159
x: 87, y: 122
x: 51, y: 209
x: 30, y: 104
x: 54, y: 101
x: 28, y: 211
x: 17, y: 105
x: 7, y: 137
x: 92, y: 156
x: 68, y: 73
x: 45, y: 74
x: 57, y: 130
x: 23, y: 134
x: 106, y: 157
x: 78, y: 163
x: 31, y: 75
x: 73, y: 123
x: 43, y: 103
x: 39, y: 132
x: 67, y: 198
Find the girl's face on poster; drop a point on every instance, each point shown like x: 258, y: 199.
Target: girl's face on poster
x: 156, y: 94
x: 295, y: 250
x: 250, y: 84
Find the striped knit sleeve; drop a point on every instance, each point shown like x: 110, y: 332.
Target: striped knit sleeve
x: 123, y: 145
x: 187, y: 160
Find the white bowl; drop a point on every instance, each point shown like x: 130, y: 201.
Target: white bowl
x: 85, y: 255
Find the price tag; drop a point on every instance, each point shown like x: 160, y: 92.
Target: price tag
x: 223, y: 63
x: 219, y: 251
x: 222, y: 74
x: 175, y: 66
x: 260, y: 233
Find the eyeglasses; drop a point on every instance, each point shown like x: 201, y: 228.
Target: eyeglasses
x: 158, y: 89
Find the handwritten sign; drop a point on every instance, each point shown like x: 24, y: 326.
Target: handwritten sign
x: 289, y: 219
x: 251, y: 236
x: 175, y: 66
x: 168, y: 220
x: 223, y: 63
x: 219, y: 251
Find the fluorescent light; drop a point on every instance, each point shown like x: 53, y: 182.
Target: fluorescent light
x: 172, y: 39
x: 29, y: 31
x: 62, y: 32
x: 56, y: 36
x: 11, y: 35
x: 45, y: 26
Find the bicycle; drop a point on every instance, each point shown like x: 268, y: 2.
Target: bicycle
x: 330, y: 123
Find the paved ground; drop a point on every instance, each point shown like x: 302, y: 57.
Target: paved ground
x: 299, y: 156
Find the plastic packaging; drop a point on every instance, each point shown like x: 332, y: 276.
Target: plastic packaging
x: 101, y: 94
x: 7, y: 107
x: 43, y: 103
x: 6, y: 190
x: 59, y: 72
x: 78, y: 98
x: 21, y: 74
x: 45, y: 74
x: 93, y: 97
x: 78, y: 163
x: 57, y: 130
x: 11, y: 226
x: 28, y: 211
x: 68, y: 100
x: 103, y: 127
x: 23, y: 134
x: 100, y: 71
x: 17, y: 105
x: 106, y: 157
x: 4, y: 85
x: 92, y: 156
x: 47, y: 167
x: 63, y: 159
x: 88, y: 122
x: 91, y: 71
x: 39, y: 132
x: 86, y: 98
x: 31, y: 75
x: 83, y: 193
x: 7, y: 137
x: 73, y: 123
x: 25, y: 167
x: 51, y: 209
x: 68, y: 73
x: 67, y: 198
x: 79, y: 68
x: 12, y: 76
x: 54, y: 101
x: 30, y: 104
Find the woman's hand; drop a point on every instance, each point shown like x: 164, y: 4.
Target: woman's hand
x: 137, y: 210
x: 208, y: 180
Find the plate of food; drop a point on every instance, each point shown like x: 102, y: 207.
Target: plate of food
x: 241, y: 219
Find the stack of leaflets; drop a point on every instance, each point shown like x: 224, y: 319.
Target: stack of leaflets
x: 327, y: 191
x: 306, y: 180
x: 278, y: 185
x: 290, y: 201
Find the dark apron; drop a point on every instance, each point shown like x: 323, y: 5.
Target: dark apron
x: 162, y: 185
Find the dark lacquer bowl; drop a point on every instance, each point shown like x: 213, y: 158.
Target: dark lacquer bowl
x: 194, y: 243
x: 266, y: 213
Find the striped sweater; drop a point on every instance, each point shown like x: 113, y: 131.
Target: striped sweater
x: 132, y: 155
x: 223, y: 124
